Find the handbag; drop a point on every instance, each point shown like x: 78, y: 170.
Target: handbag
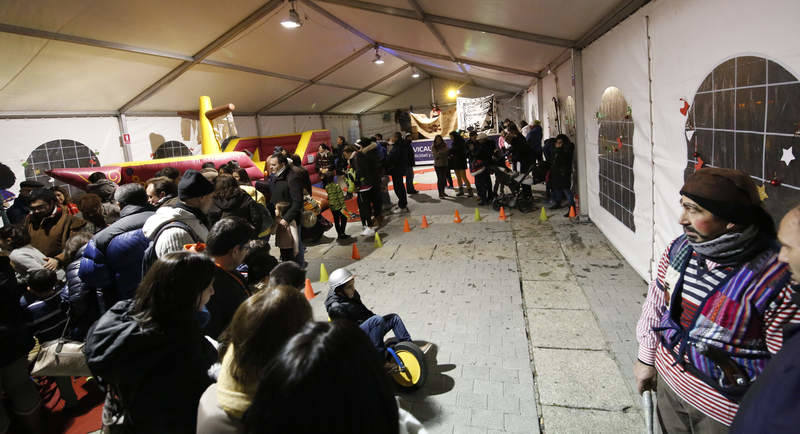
x: 61, y: 358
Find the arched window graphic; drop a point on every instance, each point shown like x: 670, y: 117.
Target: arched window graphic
x: 58, y: 154
x: 746, y: 115
x: 172, y: 148
x: 615, y: 155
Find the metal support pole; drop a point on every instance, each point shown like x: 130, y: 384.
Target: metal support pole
x: 433, y: 93
x: 258, y: 127
x: 123, y: 130
x: 580, y: 128
x: 540, y: 101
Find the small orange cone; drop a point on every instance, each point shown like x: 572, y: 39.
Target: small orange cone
x: 502, y: 213
x: 355, y: 252
x: 309, y: 291
x: 424, y: 223
x: 406, y: 227
x: 456, y: 218
x: 572, y: 214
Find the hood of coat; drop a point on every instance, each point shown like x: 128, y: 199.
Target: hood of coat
x: 104, y: 188
x: 166, y: 214
x: 119, y: 349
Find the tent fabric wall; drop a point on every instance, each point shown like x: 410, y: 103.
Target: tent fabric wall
x: 548, y: 109
x: 22, y: 136
x: 530, y: 102
x: 246, y: 126
x: 340, y: 125
x: 619, y: 59
x: 277, y: 125
x: 148, y: 133
x: 372, y: 124
x: 690, y: 39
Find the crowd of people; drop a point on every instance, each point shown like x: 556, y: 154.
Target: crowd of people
x: 190, y: 324
x: 187, y: 319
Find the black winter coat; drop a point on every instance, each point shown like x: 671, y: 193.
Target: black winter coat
x: 287, y: 187
x: 367, y: 167
x: 561, y: 170
x: 241, y: 205
x: 341, y: 307
x: 397, y: 158
x: 15, y: 337
x: 457, y: 156
x: 158, y: 374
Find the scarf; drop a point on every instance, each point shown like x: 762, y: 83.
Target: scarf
x: 232, y: 397
x: 732, y: 248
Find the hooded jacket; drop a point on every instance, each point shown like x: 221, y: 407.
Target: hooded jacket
x: 341, y: 307
x: 242, y: 205
x: 159, y: 375
x: 113, y: 258
x: 173, y: 239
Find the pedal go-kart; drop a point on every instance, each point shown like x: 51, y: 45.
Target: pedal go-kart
x: 411, y: 371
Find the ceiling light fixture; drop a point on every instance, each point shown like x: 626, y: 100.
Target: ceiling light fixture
x: 414, y: 72
x: 293, y: 20
x: 377, y: 60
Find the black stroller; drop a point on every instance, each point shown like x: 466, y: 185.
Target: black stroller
x: 508, y: 188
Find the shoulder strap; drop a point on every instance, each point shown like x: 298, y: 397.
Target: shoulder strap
x: 175, y: 224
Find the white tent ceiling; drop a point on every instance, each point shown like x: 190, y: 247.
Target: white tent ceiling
x: 155, y: 56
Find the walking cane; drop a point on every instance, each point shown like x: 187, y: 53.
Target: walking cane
x: 647, y: 405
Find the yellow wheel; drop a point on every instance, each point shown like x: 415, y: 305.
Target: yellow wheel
x: 416, y: 371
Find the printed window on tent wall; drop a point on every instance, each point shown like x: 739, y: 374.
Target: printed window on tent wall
x: 746, y: 115
x: 57, y: 154
x: 172, y: 148
x: 615, y: 157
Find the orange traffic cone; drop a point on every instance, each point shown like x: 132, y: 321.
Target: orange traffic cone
x: 572, y: 214
x: 502, y: 213
x: 309, y: 291
x: 355, y: 252
x: 406, y: 227
x: 424, y: 223
x: 456, y: 218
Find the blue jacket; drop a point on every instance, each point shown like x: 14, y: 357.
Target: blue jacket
x: 81, y: 299
x: 534, y: 139
x: 113, y: 258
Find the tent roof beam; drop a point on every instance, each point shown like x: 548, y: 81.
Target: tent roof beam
x: 368, y: 87
x: 453, y: 22
x: 226, y: 37
x: 356, y: 54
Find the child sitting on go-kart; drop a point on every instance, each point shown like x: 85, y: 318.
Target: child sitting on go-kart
x: 344, y: 302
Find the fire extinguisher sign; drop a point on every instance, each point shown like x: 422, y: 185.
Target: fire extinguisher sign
x: 126, y: 139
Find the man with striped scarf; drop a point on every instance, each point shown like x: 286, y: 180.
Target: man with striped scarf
x: 715, y: 313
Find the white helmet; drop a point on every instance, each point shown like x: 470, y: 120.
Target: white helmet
x: 339, y: 277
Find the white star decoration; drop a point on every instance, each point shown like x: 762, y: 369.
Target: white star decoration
x: 788, y: 155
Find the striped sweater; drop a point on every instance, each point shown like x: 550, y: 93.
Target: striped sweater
x: 703, y: 281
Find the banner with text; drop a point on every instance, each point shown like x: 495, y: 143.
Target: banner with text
x: 477, y: 113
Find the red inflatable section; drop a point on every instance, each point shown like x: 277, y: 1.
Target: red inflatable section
x: 141, y: 171
x: 290, y: 142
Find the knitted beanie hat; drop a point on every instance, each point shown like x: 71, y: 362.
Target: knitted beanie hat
x: 194, y: 184
x: 727, y: 193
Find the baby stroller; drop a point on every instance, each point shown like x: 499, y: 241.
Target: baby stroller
x: 508, y: 188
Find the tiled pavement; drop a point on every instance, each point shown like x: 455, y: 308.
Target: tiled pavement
x: 532, y: 321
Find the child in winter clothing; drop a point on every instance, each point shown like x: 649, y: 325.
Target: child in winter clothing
x: 336, y: 204
x: 47, y: 320
x: 286, y: 237
x: 344, y: 302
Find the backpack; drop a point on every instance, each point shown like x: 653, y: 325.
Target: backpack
x: 150, y: 256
